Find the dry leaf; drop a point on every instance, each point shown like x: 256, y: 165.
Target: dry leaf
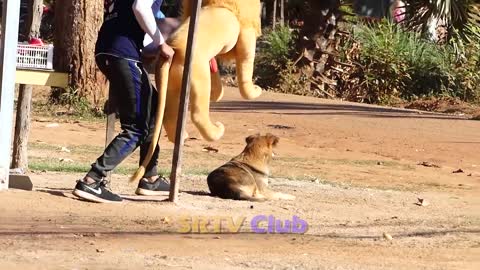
x: 387, y: 236
x: 422, y: 202
x: 458, y: 171
x: 428, y: 164
x: 165, y: 220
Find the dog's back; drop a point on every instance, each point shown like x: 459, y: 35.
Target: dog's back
x: 245, y: 176
x: 231, y: 182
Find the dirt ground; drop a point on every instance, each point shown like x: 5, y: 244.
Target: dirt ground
x: 356, y: 171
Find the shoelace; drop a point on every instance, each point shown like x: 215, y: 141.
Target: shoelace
x: 106, y: 184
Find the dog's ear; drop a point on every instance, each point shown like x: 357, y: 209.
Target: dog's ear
x: 272, y: 139
x: 250, y: 138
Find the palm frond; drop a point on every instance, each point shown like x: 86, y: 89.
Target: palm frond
x: 460, y: 17
x: 459, y: 14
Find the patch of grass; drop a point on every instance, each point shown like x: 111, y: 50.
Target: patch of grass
x: 42, y: 164
x: 56, y: 166
x: 370, y: 163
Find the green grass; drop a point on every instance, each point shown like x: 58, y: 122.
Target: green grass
x: 42, y: 164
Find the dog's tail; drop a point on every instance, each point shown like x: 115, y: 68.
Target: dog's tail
x: 162, y: 68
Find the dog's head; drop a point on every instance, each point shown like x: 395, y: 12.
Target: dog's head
x: 261, y: 147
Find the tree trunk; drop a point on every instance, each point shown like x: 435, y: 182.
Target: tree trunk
x: 76, y: 27
x: 317, y: 44
x: 268, y: 5
x: 282, y: 12
x: 22, y: 127
x: 34, y: 20
x: 274, y: 14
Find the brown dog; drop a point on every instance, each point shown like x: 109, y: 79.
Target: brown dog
x: 245, y: 177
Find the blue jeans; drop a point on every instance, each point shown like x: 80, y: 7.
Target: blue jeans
x: 137, y: 104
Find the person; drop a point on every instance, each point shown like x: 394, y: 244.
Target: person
x: 397, y: 10
x: 118, y: 54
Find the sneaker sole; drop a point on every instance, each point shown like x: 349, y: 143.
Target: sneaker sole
x: 146, y: 192
x: 89, y: 197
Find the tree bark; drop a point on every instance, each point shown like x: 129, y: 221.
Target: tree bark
x: 76, y: 27
x: 282, y: 12
x: 317, y: 42
x: 274, y: 14
x: 22, y: 128
x: 34, y: 20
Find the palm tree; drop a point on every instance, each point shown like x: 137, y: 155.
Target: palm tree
x: 460, y: 17
x: 320, y: 36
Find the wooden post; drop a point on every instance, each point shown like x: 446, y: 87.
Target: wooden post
x: 183, y: 108
x: 8, y: 53
x: 22, y: 128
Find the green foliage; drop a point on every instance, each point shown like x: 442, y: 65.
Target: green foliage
x: 393, y: 63
x: 460, y: 17
x: 274, y: 50
x: 466, y: 72
x: 77, y: 105
x: 292, y: 82
x: 277, y: 45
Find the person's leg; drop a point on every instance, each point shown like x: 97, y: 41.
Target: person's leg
x: 125, y: 79
x: 151, y: 183
x: 150, y: 99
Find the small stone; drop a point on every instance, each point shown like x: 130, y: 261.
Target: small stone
x: 99, y: 250
x: 52, y: 125
x: 458, y: 171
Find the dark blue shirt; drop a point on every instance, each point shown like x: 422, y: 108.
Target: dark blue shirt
x: 120, y: 34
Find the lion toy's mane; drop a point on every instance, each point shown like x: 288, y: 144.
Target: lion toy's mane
x: 244, y: 10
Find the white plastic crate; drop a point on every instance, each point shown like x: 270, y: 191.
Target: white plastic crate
x: 34, y: 56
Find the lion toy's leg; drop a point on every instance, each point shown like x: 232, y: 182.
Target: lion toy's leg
x: 213, y: 38
x: 245, y: 54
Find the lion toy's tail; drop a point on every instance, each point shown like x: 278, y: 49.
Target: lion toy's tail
x: 161, y: 82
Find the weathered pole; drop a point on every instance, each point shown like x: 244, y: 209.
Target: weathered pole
x: 183, y: 108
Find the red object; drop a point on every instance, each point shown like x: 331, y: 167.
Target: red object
x: 35, y: 42
x: 213, y: 65
x: 46, y: 9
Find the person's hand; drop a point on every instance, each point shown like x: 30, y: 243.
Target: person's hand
x: 166, y: 51
x: 150, y: 51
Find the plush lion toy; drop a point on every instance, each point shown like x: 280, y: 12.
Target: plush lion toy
x: 227, y: 29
